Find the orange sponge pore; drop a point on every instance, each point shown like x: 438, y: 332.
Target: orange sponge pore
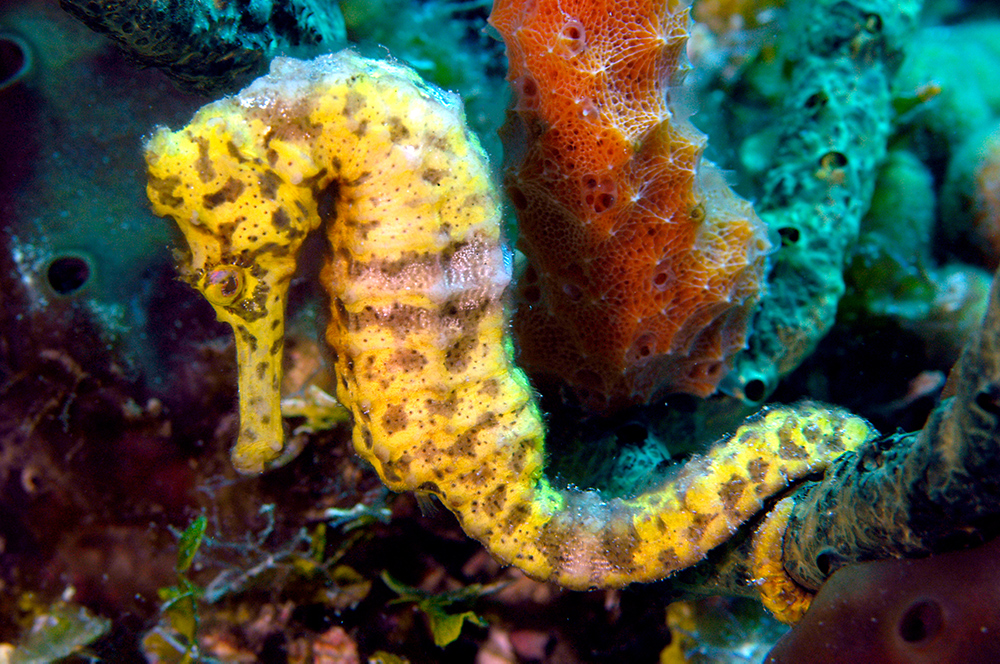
x: 644, y: 267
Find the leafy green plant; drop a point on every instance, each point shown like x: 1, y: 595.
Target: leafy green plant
x: 443, y: 610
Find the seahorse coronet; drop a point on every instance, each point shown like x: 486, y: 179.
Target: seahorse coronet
x: 417, y: 275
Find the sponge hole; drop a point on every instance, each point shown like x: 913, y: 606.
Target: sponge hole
x: 599, y: 193
x: 921, y: 622
x: 573, y: 38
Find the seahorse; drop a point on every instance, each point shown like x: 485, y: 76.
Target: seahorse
x: 417, y: 275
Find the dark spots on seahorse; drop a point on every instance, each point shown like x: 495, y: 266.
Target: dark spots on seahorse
x: 276, y: 347
x: 515, y: 517
x: 439, y: 142
x: 698, y: 526
x: 249, y: 435
x: 619, y: 543
x: 280, y: 219
x: 397, y: 130
x: 353, y: 102
x: 407, y: 360
x: 757, y: 469
x: 668, y: 559
x: 228, y: 193
x: 261, y: 370
x: 234, y: 152
x: 458, y: 355
x: 361, y: 129
x: 366, y: 436
x: 390, y: 472
x: 248, y: 339
x: 443, y: 407
x: 275, y: 324
x: 834, y: 443
x: 495, y: 501
x: 164, y: 189
x: 731, y: 491
x: 490, y: 388
x: 269, y: 183
x: 433, y: 175
x: 788, y: 448
x: 203, y: 164
x: 395, y: 419
x: 272, y: 156
x: 519, y: 455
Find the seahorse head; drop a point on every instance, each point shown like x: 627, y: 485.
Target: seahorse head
x: 241, y: 197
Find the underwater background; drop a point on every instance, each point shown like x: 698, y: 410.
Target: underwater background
x: 127, y: 535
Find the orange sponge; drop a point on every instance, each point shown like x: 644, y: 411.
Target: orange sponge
x: 644, y: 267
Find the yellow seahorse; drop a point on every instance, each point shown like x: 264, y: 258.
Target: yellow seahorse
x: 416, y: 274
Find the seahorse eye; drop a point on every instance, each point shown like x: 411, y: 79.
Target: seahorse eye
x: 224, y: 285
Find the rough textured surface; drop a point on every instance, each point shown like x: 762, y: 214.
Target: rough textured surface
x: 211, y: 47
x: 644, y: 267
x: 914, y: 494
x: 416, y: 276
x: 835, y: 124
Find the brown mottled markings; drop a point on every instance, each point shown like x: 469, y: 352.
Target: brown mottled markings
x: 731, y: 491
x: 261, y: 370
x: 366, y: 435
x: 519, y: 454
x: 277, y: 346
x: 433, y: 175
x: 834, y: 443
x: 439, y: 142
x: 668, y: 558
x: 698, y: 525
x: 248, y: 339
x: 408, y: 360
x: 496, y: 500
x: 457, y: 357
x: 229, y: 193
x: 401, y: 319
x: 395, y: 419
x: 280, y: 219
x: 249, y: 434
x: 466, y: 443
x: 397, y: 130
x: 353, y: 102
x: 789, y: 449
x: 444, y: 407
x: 203, y: 164
x: 269, y: 183
x: 516, y: 516
x: 551, y: 539
x: 619, y: 542
x: 164, y: 188
x: 390, y: 473
x: 234, y: 152
x: 757, y: 469
x: 361, y: 129
x: 490, y: 388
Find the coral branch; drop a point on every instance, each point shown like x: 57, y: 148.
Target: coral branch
x: 417, y: 275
